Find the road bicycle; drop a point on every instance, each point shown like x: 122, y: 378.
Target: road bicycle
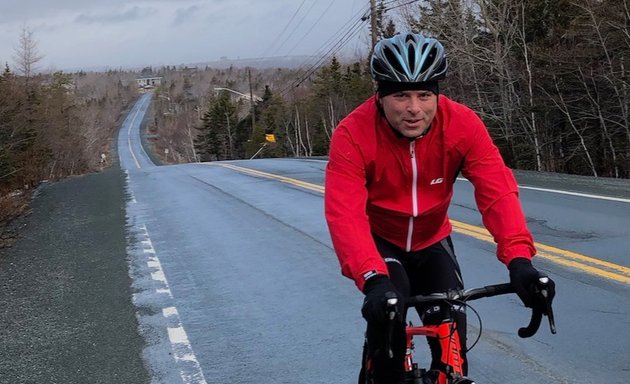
x: 449, y: 338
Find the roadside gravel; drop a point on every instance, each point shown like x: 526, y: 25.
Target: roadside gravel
x: 66, y: 312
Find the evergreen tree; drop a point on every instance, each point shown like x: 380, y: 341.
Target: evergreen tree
x: 216, y: 140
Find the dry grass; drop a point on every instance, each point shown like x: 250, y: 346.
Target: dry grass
x: 12, y: 206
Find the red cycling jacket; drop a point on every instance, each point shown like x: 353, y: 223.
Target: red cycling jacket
x: 400, y: 189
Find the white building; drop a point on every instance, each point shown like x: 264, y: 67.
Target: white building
x: 148, y: 82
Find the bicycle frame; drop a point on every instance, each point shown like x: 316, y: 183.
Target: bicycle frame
x: 449, y: 342
x: 448, y: 337
x: 452, y: 365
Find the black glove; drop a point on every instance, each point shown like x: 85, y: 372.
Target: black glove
x: 378, y: 290
x: 525, y: 280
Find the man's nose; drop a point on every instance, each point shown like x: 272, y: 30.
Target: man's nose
x: 414, y: 105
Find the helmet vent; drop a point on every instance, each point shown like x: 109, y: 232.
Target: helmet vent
x: 392, y: 59
x: 411, y: 57
x: 429, y: 60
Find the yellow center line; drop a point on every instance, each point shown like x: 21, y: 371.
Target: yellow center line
x: 560, y: 256
x: 299, y: 183
x: 548, y: 249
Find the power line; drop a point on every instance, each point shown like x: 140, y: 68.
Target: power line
x: 323, y: 56
x: 285, y: 27
x: 312, y: 26
x: 399, y: 5
x: 348, y: 36
x: 330, y: 47
x: 310, y: 71
x: 339, y: 32
x: 295, y: 27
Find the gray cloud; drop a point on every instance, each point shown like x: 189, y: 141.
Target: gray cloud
x: 20, y: 10
x: 133, y: 13
x: 184, y: 15
x: 82, y: 33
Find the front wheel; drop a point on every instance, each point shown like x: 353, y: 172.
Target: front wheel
x: 363, y: 379
x: 463, y: 380
x: 422, y: 376
x: 417, y: 376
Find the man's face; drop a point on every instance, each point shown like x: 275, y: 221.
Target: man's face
x: 410, y: 112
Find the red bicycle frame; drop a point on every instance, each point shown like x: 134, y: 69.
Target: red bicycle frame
x: 446, y: 333
x: 449, y: 341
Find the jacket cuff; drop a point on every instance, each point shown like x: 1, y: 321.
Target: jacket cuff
x: 362, y: 278
x: 520, y: 252
x: 518, y: 262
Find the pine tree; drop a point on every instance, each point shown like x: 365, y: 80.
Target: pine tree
x: 216, y: 140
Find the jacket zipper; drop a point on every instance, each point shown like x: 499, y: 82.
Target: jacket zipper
x: 414, y: 191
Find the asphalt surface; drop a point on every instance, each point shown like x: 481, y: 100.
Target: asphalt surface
x: 256, y: 283
x: 109, y: 269
x: 67, y: 315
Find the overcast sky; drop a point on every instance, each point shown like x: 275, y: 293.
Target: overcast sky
x: 75, y: 34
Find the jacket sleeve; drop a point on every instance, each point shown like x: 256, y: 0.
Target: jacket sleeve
x: 345, y: 199
x: 496, y: 194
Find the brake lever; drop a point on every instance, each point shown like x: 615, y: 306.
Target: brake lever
x: 549, y: 310
x: 537, y: 312
x: 391, y: 315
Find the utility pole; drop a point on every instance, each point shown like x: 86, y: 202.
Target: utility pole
x: 373, y: 22
x: 251, y: 99
x: 231, y: 146
x: 373, y: 27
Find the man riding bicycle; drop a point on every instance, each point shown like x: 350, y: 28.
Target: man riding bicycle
x: 389, y: 181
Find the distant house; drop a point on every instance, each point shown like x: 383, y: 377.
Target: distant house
x: 149, y: 82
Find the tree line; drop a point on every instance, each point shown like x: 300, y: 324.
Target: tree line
x: 54, y: 125
x: 550, y: 80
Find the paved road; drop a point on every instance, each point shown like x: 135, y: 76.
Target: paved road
x: 233, y: 280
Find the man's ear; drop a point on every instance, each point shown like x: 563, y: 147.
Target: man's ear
x: 379, y: 102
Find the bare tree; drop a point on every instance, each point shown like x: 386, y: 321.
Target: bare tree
x: 597, y: 113
x: 563, y: 106
x: 27, y: 54
x: 480, y: 37
x: 532, y: 122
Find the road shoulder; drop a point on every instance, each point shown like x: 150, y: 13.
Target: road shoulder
x: 67, y: 312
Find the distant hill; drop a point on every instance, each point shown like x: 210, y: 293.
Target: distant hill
x: 261, y: 62
x: 290, y: 62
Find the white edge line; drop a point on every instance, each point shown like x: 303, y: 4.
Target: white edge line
x: 620, y: 199
x: 180, y: 344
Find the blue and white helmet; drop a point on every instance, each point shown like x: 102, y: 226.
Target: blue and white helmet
x: 408, y: 58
